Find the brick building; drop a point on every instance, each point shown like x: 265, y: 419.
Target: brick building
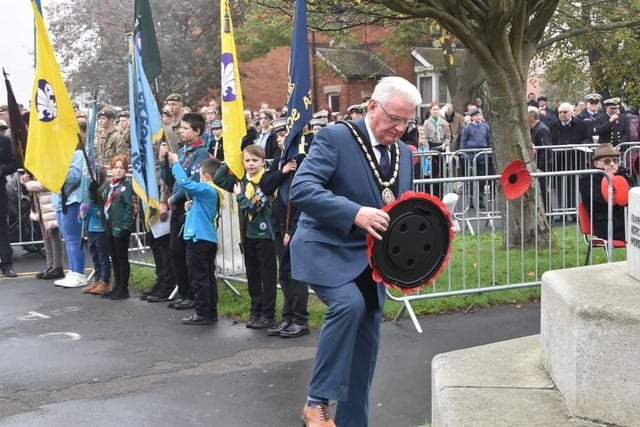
x: 343, y: 76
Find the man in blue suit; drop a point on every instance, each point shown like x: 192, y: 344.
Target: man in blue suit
x: 349, y: 174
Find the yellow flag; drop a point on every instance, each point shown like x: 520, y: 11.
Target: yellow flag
x: 233, y: 125
x: 53, y: 127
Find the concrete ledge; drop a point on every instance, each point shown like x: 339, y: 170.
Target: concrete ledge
x: 501, y: 384
x: 590, y: 340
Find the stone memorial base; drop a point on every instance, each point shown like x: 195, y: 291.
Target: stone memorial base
x: 582, y: 370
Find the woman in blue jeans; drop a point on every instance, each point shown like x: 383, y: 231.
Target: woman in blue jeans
x: 67, y: 206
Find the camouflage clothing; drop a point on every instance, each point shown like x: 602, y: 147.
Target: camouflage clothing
x: 108, y: 144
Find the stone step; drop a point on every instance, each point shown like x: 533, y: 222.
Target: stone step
x: 500, y: 384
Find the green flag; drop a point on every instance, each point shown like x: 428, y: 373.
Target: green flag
x: 145, y: 39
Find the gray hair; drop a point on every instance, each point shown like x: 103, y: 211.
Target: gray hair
x: 533, y: 111
x: 398, y: 85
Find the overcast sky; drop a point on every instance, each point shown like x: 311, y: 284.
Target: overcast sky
x: 16, y: 33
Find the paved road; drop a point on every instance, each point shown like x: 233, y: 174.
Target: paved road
x: 69, y: 359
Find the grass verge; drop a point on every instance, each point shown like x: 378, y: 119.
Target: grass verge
x: 475, y: 261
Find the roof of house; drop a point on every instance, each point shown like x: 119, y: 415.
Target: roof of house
x: 354, y: 63
x: 431, y: 57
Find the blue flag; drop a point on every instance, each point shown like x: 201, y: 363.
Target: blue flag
x: 146, y: 130
x: 299, y: 92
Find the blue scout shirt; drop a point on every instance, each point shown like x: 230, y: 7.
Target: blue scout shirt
x: 199, y: 222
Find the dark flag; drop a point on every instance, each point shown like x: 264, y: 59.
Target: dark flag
x: 299, y: 91
x: 16, y: 124
x: 145, y: 39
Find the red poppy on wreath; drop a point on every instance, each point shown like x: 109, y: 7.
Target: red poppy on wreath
x: 515, y: 180
x: 416, y: 246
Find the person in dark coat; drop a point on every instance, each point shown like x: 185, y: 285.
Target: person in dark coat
x: 276, y: 182
x: 567, y: 131
x: 592, y: 110
x: 8, y: 165
x: 612, y: 127
x: 540, y: 137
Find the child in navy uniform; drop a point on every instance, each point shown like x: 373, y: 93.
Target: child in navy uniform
x: 201, y: 238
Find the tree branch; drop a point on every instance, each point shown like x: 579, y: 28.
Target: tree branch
x: 581, y: 31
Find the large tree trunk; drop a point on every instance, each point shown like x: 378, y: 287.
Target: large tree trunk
x: 470, y: 79
x: 511, y: 140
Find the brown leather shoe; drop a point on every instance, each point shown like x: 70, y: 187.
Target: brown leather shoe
x: 101, y: 288
x: 317, y: 415
x: 91, y: 287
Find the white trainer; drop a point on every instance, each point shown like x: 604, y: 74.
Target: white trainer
x: 76, y: 280
x: 68, y: 278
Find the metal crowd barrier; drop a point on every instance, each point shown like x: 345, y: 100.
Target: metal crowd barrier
x: 479, y: 222
x: 475, y: 260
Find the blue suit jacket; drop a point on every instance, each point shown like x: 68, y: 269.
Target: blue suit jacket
x: 332, y: 184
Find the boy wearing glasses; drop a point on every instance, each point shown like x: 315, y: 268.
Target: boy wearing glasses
x: 594, y: 192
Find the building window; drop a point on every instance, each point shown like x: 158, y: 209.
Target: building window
x: 334, y: 102
x: 443, y: 90
x: 432, y: 86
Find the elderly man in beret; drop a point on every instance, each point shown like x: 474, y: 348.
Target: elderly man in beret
x: 612, y: 127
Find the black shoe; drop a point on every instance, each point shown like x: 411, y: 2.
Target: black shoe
x: 187, y: 304
x: 196, y: 319
x: 8, y: 271
x: 108, y: 294
x: 54, y: 273
x: 119, y: 295
x: 294, y: 330
x: 251, y: 321
x: 154, y: 291
x: 43, y: 272
x: 173, y: 304
x: 275, y: 331
x: 263, y: 323
x: 158, y: 298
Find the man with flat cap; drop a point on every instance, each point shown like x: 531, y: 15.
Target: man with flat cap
x: 612, y: 127
x: 108, y: 141
x: 592, y: 110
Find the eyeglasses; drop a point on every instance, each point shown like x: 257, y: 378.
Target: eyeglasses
x: 594, y: 102
x: 397, y: 120
x: 609, y: 160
